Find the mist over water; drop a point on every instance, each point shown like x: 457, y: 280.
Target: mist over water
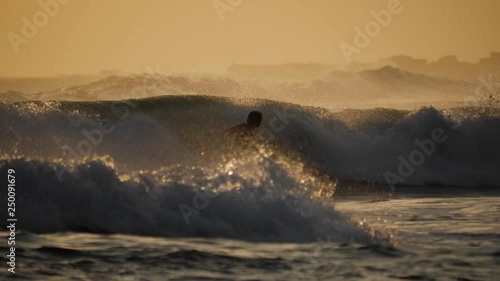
x: 127, y: 155
x: 131, y: 157
x: 86, y: 164
x: 386, y: 87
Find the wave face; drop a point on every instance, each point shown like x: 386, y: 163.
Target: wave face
x: 163, y: 166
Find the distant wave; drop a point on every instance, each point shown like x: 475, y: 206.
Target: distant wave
x: 386, y: 86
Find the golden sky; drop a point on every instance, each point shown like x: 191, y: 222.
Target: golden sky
x: 85, y: 36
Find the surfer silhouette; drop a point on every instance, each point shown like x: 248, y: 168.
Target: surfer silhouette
x: 245, y: 130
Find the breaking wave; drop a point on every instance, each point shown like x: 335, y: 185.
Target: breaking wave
x: 356, y: 145
x: 163, y: 166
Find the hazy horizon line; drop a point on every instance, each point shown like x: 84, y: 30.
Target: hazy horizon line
x: 224, y: 69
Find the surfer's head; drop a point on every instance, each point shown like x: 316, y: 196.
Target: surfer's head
x: 254, y: 119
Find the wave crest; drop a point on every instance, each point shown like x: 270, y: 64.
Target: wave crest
x: 93, y: 198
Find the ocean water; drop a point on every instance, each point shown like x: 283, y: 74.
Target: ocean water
x: 432, y: 238
x: 153, y: 189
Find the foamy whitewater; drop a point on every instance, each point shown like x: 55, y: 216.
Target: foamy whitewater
x: 154, y: 189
